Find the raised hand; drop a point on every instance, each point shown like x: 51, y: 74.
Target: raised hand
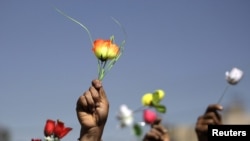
x: 211, y: 116
x: 92, y: 111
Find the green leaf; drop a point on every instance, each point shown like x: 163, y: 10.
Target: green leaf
x: 137, y: 129
x: 160, y: 108
x: 156, y: 99
x: 112, y: 38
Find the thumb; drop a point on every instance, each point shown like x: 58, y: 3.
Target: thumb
x: 102, y: 93
x: 97, y: 84
x: 99, y: 87
x: 156, y: 122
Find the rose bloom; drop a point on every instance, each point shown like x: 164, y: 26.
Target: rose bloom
x: 60, y: 130
x: 149, y: 116
x: 234, y: 76
x: 125, y: 116
x: 55, y: 128
x: 49, y: 127
x: 105, y: 49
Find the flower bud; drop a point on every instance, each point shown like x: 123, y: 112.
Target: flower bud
x: 234, y: 76
x: 160, y: 93
x: 149, y: 116
x: 147, y: 99
x: 49, y: 127
x: 105, y: 49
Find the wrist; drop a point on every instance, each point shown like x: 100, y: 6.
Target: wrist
x: 91, y: 134
x: 202, y: 137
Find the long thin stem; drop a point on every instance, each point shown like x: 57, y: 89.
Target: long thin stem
x: 101, y: 69
x: 224, y: 92
x: 74, y: 20
x: 123, y: 29
x: 110, y: 63
x: 139, y: 109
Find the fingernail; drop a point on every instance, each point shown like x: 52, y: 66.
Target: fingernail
x: 165, y: 130
x: 221, y: 107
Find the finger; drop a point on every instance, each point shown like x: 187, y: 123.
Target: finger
x: 201, y: 128
x: 149, y: 137
x: 157, y: 133
x: 199, y: 119
x: 153, y: 134
x: 214, y: 116
x: 214, y: 107
x: 81, y: 103
x: 158, y: 126
x: 161, y: 129
x: 218, y: 117
x: 102, y: 93
x: 94, y: 94
x: 208, y: 122
x: 97, y: 84
x: 201, y: 124
x: 157, y: 121
x: 90, y: 101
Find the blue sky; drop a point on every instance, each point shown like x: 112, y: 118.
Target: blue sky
x: 182, y: 47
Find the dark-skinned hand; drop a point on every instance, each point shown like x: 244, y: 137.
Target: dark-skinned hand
x: 92, y: 110
x: 210, y: 117
x: 157, y: 132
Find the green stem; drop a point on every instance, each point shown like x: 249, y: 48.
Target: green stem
x: 223, y: 93
x: 139, y: 109
x: 74, y: 20
x: 118, y: 23
x: 102, y: 70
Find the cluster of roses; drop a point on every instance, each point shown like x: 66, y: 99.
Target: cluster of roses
x: 152, y: 100
x: 151, y: 106
x: 108, y: 53
x: 54, y: 131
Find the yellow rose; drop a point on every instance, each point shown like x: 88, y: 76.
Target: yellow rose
x: 105, y: 49
x: 147, y: 99
x: 161, y: 93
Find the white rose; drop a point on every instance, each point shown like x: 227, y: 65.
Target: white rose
x: 234, y: 76
x: 125, y: 116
